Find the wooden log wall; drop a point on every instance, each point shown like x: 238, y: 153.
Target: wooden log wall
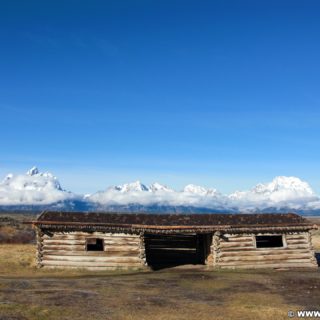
x: 239, y: 251
x: 39, y: 236
x: 68, y: 249
x: 208, y: 250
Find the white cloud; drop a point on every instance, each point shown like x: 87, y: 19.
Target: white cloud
x: 34, y: 188
x: 280, y: 193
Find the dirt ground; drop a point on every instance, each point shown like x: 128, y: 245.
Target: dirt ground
x: 179, y: 293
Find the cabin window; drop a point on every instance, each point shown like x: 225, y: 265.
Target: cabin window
x: 94, y: 244
x: 269, y: 241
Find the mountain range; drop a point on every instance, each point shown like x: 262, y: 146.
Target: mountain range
x: 36, y: 191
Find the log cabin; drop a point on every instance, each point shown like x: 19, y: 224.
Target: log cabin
x: 101, y: 241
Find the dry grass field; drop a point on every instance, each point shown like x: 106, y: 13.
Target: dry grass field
x: 178, y: 293
x: 316, y: 233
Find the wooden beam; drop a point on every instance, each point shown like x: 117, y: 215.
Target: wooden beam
x: 80, y: 264
x: 104, y: 259
x: 236, y: 249
x: 271, y: 257
x: 255, y: 252
x: 287, y: 265
x: 134, y: 253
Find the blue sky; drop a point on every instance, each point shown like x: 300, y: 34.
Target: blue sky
x: 219, y: 93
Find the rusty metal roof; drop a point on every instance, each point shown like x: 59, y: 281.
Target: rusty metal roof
x: 172, y: 220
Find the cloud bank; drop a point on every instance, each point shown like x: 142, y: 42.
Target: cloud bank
x: 32, y: 188
x: 36, y: 188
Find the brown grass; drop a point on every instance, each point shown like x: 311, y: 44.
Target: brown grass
x: 30, y: 293
x: 315, y: 233
x: 316, y: 240
x: 14, y: 230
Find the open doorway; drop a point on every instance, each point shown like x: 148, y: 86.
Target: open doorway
x: 170, y: 250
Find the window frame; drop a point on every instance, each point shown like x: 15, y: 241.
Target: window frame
x: 284, y: 242
x: 94, y: 238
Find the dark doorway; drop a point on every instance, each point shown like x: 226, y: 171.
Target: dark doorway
x: 164, y: 251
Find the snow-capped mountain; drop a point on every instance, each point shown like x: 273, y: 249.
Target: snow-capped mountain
x: 278, y: 190
x: 131, y: 187
x: 158, y: 187
x: 137, y: 186
x: 198, y: 190
x: 281, y: 192
x: 129, y: 193
x: 36, y: 189
x: 137, y: 193
x: 32, y: 188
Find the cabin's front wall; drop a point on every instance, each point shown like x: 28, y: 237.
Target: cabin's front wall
x: 127, y: 251
x: 69, y: 249
x: 240, y: 251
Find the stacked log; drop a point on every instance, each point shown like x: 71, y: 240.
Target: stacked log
x: 39, y: 239
x: 239, y: 251
x: 131, y: 251
x: 208, y: 252
x: 68, y: 249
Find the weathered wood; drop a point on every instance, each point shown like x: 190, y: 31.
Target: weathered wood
x: 106, y: 239
x: 296, y: 233
x: 123, y: 250
x: 296, y: 261
x: 235, y: 245
x: 290, y: 242
x: 142, y: 254
x: 83, y: 248
x: 80, y: 247
x: 266, y: 257
x: 105, y: 259
x: 296, y: 237
x: 69, y: 250
x: 91, y: 234
x: 98, y: 268
x: 89, y: 263
x: 63, y: 242
x: 259, y: 252
x: 134, y: 253
x: 39, y: 235
x: 121, y: 243
x: 240, y: 252
x: 288, y: 265
x: 215, y: 246
x: 207, y: 241
x: 237, y: 239
x: 83, y: 238
x: 106, y: 244
x: 236, y: 236
x: 236, y: 249
x: 298, y: 246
